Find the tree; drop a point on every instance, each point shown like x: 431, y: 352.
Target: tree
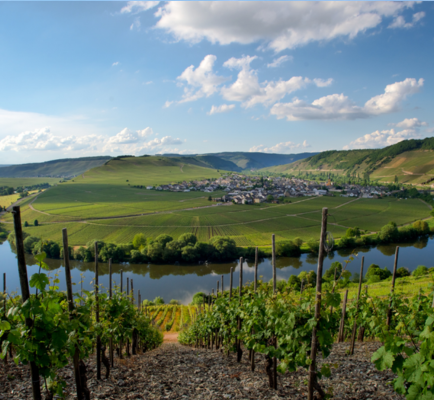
x: 187, y: 238
x: 209, y: 198
x: 421, y: 227
x: 270, y: 197
x: 330, y: 273
x: 139, y: 240
x: 163, y: 239
x: 353, y: 232
x: 389, y: 233
x: 36, y: 223
x: 190, y: 254
x: 158, y: 301
x: 26, y: 224
x: 224, y: 247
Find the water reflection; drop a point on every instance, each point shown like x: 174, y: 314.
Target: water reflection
x: 182, y: 281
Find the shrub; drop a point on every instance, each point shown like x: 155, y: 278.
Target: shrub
x: 353, y: 232
x: 388, y: 233
x: 402, y: 272
x: 174, y: 302
x: 29, y: 242
x: 158, y: 301
x: 147, y: 303
x: 421, y: 227
x: 309, y: 278
x: 375, y: 270
x: 294, y: 282
x: 36, y: 223
x: 26, y: 224
x: 298, y: 242
x: 287, y: 249
x: 137, y: 257
x: 347, y: 242
x: 198, y: 298
x: 420, y: 271
x: 313, y: 245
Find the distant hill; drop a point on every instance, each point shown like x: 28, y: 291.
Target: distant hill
x: 412, y: 161
x: 239, y: 161
x: 66, y: 167
x: 5, y: 165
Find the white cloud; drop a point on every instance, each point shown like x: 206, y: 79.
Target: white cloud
x: 221, y: 109
x: 115, y: 63
x: 167, y: 104
x: 410, y: 123
x: 278, y: 25
x: 135, y: 25
x: 283, y: 147
x: 43, y: 140
x: 134, y: 142
x: 277, y: 62
x: 338, y: 106
x: 246, y: 88
x: 138, y: 6
x: 201, y: 82
x: 383, y: 138
x: 399, y: 21
x: 323, y: 83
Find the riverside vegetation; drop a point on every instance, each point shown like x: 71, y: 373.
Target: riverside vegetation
x: 187, y: 249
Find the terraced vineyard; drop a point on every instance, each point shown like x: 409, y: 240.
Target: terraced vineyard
x: 171, y: 318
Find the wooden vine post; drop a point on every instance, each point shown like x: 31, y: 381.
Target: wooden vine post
x: 110, y: 296
x: 353, y: 336
x: 25, y: 293
x: 231, y: 283
x: 273, y: 248
x: 98, y: 338
x: 313, y: 383
x: 222, y: 286
x: 255, y: 285
x: 76, y: 357
x: 389, y: 311
x: 121, y: 345
x: 239, y: 350
x: 341, y: 334
x: 231, y: 276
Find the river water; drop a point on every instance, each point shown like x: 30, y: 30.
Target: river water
x: 181, y: 282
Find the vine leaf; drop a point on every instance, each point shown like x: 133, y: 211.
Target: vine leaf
x: 382, y: 359
x: 39, y: 281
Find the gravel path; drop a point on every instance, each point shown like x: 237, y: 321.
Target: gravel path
x: 177, y: 372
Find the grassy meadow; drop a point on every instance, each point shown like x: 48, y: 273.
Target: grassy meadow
x: 15, y: 182
x: 102, y: 205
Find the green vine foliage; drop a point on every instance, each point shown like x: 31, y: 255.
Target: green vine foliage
x: 265, y: 316
x: 53, y: 337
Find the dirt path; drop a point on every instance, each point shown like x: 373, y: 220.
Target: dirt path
x: 177, y: 372
x: 171, y: 337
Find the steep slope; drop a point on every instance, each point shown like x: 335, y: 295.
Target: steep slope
x: 412, y: 161
x: 67, y: 167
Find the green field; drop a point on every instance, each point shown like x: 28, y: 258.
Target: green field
x: 15, y: 182
x: 6, y: 201
x: 102, y: 205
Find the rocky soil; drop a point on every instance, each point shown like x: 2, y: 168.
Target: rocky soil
x: 177, y: 372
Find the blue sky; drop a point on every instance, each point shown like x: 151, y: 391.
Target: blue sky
x: 94, y: 78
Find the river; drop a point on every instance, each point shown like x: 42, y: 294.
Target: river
x: 181, y: 282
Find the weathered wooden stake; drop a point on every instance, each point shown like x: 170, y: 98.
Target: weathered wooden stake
x: 128, y: 287
x: 110, y: 296
x: 256, y: 269
x: 389, y: 312
x: 25, y: 293
x: 342, y: 324
x: 132, y: 291
x: 76, y: 357
x: 255, y: 285
x: 273, y: 260
x: 122, y: 281
x: 217, y: 293
x: 239, y: 350
x: 313, y: 383
x: 222, y: 287
x: 230, y: 283
x: 98, y: 338
x: 353, y: 335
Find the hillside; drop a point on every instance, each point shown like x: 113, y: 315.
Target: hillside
x: 239, y: 161
x: 411, y: 161
x: 63, y: 168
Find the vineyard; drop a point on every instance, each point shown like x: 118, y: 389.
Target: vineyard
x: 50, y: 329
x: 309, y: 330
x: 295, y: 329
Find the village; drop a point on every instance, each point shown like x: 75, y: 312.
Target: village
x: 247, y: 189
